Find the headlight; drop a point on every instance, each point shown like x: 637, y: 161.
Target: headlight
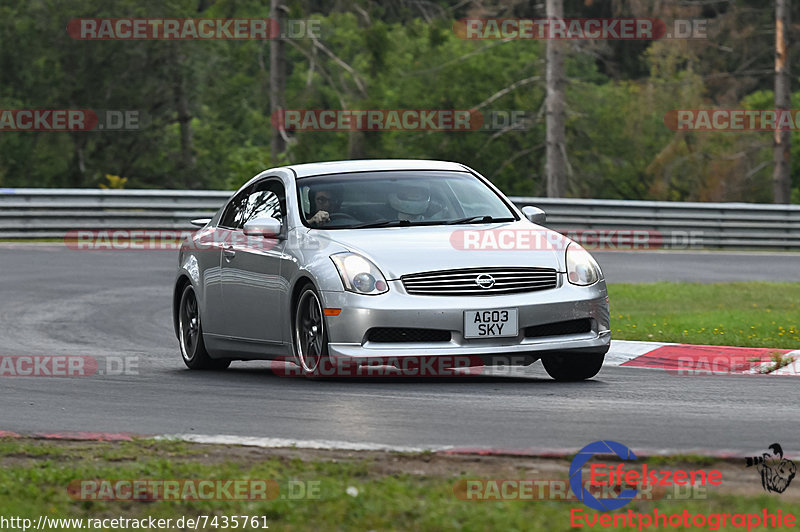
x: 582, y: 269
x: 359, y: 275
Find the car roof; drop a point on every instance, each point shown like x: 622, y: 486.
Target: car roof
x: 373, y: 165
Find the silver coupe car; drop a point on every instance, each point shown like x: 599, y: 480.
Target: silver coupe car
x: 347, y: 262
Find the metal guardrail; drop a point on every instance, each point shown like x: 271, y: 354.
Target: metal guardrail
x: 49, y: 213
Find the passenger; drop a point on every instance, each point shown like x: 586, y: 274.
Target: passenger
x: 411, y: 201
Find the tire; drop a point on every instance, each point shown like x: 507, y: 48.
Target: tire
x: 574, y: 367
x: 309, y: 333
x: 190, y: 335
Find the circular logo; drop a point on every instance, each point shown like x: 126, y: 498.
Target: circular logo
x: 576, y: 478
x: 485, y: 281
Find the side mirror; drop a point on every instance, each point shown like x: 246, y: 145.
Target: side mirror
x: 268, y: 227
x: 200, y: 222
x: 534, y: 214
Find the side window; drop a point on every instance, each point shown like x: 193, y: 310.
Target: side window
x: 234, y: 210
x: 267, y: 198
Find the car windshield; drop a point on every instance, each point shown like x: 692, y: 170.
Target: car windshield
x: 398, y: 198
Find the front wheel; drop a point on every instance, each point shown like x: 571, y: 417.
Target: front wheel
x: 310, y: 336
x: 193, y: 349
x: 573, y: 367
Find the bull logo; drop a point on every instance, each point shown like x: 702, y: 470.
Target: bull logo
x: 776, y: 471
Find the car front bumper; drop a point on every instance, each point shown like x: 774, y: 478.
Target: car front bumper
x: 347, y: 332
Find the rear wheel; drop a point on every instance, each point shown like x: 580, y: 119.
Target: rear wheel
x: 574, y: 367
x: 310, y: 336
x: 193, y: 349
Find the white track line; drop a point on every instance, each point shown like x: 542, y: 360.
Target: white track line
x: 331, y: 445
x: 253, y: 441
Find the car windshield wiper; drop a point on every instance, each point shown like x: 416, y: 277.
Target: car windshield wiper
x: 382, y: 223
x: 481, y: 219
x: 396, y: 223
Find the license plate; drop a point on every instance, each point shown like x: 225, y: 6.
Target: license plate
x: 490, y: 323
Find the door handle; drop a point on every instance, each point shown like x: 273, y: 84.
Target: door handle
x: 229, y: 253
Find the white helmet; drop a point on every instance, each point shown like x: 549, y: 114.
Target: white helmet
x: 411, y: 198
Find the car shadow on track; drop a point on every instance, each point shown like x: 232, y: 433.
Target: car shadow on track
x: 258, y: 374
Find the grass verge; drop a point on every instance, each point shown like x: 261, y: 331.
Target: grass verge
x: 357, y: 491
x: 753, y: 314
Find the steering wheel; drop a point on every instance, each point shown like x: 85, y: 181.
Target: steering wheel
x: 342, y: 217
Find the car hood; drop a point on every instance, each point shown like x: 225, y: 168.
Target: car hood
x: 398, y: 251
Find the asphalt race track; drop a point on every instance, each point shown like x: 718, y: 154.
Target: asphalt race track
x: 56, y: 301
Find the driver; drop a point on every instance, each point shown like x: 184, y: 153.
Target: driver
x: 324, y: 202
x: 411, y: 200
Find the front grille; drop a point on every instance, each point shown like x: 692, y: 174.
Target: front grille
x: 402, y: 334
x: 465, y: 282
x: 559, y: 328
